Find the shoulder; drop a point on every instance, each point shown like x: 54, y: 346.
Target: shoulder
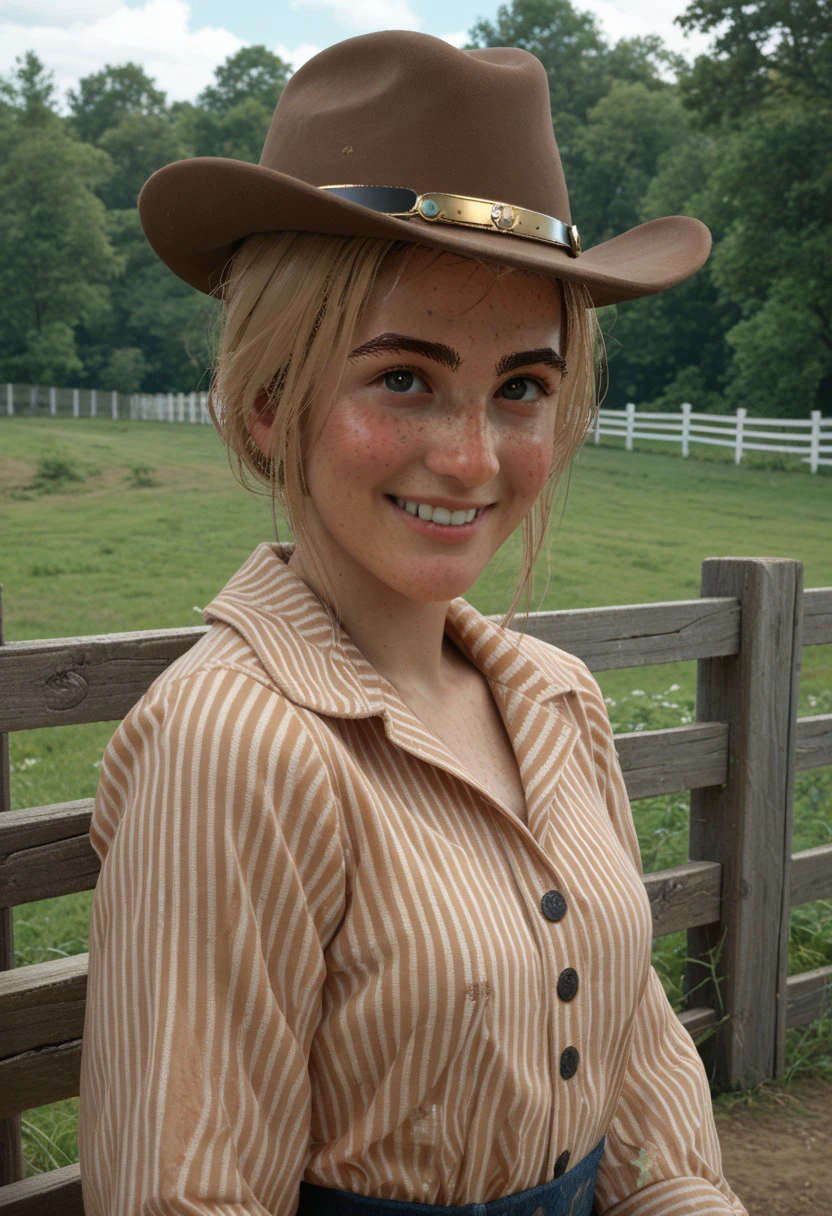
x: 215, y: 700
x: 221, y: 742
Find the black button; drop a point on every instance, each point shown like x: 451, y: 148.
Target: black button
x: 567, y: 983
x: 553, y: 905
x: 568, y: 1062
x: 561, y: 1163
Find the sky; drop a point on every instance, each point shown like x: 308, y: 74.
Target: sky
x: 179, y: 43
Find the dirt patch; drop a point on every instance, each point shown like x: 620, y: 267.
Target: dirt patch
x: 777, y: 1149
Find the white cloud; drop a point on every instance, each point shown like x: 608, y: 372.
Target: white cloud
x: 180, y: 60
x: 55, y: 12
x: 298, y: 55
x: 457, y: 39
x: 626, y: 19
x: 366, y: 16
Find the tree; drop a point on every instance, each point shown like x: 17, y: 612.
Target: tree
x: 124, y: 371
x: 152, y: 311
x: 616, y: 153
x: 137, y: 145
x: 238, y: 133
x: 670, y: 347
x: 763, y: 50
x: 50, y: 355
x: 104, y: 98
x: 184, y: 117
x: 771, y: 182
x: 643, y: 59
x: 781, y: 363
x: 56, y: 261
x: 29, y: 92
x: 253, y: 73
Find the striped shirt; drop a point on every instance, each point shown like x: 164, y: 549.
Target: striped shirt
x: 321, y: 950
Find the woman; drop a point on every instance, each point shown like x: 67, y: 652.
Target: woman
x: 370, y: 933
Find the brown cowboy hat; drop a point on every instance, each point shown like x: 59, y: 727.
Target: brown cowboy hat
x: 400, y: 135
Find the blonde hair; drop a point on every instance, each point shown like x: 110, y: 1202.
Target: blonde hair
x: 292, y: 302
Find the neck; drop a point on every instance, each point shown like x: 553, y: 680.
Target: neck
x: 403, y: 639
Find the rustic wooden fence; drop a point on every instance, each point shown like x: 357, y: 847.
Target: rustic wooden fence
x: 733, y: 896
x: 810, y: 439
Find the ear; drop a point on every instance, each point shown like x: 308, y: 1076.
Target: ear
x: 260, y: 421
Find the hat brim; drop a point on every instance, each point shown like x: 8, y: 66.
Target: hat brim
x: 195, y: 212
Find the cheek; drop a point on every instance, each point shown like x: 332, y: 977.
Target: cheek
x: 530, y: 458
x: 361, y: 443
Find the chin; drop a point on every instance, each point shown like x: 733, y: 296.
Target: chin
x: 427, y: 582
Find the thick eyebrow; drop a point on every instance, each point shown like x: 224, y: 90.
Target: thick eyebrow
x: 447, y: 356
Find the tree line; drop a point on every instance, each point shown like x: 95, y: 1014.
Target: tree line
x: 740, y: 137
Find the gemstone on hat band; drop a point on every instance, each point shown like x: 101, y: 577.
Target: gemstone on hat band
x: 503, y: 216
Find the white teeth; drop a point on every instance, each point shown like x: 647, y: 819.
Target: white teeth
x: 439, y: 515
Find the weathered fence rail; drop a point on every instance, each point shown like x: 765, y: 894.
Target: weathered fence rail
x: 739, y: 758
x: 809, y: 439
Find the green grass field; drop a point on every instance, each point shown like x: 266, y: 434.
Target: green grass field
x: 111, y: 526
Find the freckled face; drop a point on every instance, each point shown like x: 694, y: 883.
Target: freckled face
x: 402, y: 424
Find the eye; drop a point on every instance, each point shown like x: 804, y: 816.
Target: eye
x: 519, y: 380
x: 396, y: 376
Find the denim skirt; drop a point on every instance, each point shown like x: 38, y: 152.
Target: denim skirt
x: 570, y: 1195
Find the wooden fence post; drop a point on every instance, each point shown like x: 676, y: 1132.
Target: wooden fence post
x: 746, y: 824
x: 11, y: 1146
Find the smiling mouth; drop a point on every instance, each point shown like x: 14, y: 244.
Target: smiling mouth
x: 400, y: 503
x: 447, y: 532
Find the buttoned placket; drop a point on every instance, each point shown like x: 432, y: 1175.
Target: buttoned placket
x: 548, y: 906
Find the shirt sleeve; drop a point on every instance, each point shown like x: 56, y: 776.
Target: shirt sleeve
x: 662, y: 1155
x: 222, y: 882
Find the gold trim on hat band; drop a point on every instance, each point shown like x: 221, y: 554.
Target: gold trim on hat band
x: 440, y: 207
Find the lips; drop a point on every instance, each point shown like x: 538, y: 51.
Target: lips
x: 445, y: 533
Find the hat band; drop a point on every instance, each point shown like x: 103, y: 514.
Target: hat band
x: 436, y: 207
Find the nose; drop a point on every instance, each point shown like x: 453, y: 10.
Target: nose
x: 464, y: 447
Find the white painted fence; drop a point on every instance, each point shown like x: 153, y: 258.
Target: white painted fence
x: 36, y: 401
x: 810, y: 438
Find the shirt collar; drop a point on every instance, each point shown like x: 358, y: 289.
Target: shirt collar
x: 286, y: 625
